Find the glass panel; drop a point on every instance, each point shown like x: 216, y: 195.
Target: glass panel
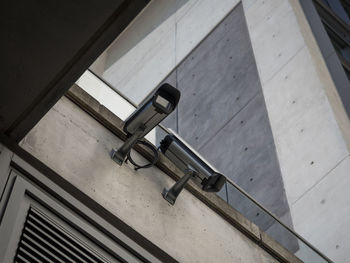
x: 105, y: 95
x: 277, y: 231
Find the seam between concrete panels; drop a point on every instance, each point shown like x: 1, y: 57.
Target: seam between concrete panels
x: 252, y: 46
x: 229, y: 120
x: 268, y: 13
x: 199, y: 43
x: 282, y: 67
x: 321, y: 179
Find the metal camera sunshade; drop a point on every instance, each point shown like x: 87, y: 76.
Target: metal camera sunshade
x: 146, y: 117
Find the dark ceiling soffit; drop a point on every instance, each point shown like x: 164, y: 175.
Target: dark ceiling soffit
x: 102, y: 38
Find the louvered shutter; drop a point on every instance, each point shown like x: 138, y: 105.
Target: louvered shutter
x: 44, y: 240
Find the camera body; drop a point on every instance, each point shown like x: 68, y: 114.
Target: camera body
x: 185, y: 158
x: 148, y: 115
x: 153, y: 111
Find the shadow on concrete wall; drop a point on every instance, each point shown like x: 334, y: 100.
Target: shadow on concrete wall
x: 157, y: 12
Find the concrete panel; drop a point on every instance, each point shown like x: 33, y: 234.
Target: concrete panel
x: 261, y: 10
x: 238, y: 143
x: 216, y: 81
x: 199, y: 20
x: 139, y: 72
x: 77, y: 147
x: 234, y: 19
x: 326, y: 226
x: 275, y: 39
x: 145, y: 53
x: 244, y: 151
x: 303, y: 125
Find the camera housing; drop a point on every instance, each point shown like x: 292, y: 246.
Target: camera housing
x: 193, y: 166
x: 148, y: 115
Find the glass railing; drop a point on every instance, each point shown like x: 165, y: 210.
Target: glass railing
x: 240, y: 200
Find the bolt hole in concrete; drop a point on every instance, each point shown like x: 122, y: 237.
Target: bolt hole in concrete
x: 257, y: 214
x: 251, y: 179
x: 323, y: 201
x: 246, y: 148
x: 312, y: 163
x: 237, y: 98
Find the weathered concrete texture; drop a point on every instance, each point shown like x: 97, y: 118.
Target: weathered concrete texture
x: 303, y: 124
x: 77, y: 147
x: 216, y: 80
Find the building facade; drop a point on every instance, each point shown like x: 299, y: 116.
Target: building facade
x: 264, y: 99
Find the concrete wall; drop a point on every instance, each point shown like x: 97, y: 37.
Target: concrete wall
x: 308, y: 122
x: 77, y: 147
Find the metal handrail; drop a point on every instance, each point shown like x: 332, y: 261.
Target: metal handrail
x: 230, y: 182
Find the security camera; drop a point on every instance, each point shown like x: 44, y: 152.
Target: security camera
x: 146, y: 117
x: 193, y: 166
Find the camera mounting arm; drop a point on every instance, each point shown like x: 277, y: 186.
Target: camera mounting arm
x: 119, y: 155
x: 171, y: 194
